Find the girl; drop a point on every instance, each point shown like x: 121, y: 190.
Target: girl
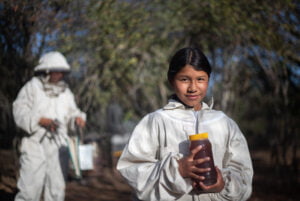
x: 157, y: 161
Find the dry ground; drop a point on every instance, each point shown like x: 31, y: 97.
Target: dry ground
x: 107, y: 185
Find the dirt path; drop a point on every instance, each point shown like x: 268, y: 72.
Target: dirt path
x: 108, y: 185
x: 103, y: 185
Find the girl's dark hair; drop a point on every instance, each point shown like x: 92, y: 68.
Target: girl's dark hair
x: 191, y: 56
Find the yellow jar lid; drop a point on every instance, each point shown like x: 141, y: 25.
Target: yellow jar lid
x: 199, y: 136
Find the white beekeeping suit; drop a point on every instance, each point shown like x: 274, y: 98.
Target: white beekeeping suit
x: 43, y: 152
x: 149, y: 160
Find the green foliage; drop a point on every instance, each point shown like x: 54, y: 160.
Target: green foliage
x: 119, y: 51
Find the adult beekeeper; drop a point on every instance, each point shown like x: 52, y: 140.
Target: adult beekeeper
x: 44, y: 108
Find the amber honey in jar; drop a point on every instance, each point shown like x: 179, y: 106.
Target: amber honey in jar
x: 206, y: 151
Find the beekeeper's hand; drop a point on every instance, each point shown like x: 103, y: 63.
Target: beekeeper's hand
x: 49, y: 124
x: 80, y: 122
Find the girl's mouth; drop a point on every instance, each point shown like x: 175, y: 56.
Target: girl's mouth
x: 192, y: 97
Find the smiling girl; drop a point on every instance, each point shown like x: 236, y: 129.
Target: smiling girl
x: 157, y: 161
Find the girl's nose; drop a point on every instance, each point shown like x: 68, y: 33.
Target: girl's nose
x: 192, y: 87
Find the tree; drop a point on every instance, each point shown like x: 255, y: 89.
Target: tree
x: 119, y: 51
x: 249, y: 44
x: 25, y: 27
x: 17, y: 21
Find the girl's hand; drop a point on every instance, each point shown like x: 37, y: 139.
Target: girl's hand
x: 187, y: 165
x: 215, y: 188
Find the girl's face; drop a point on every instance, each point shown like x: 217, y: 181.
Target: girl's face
x: 190, y: 86
x: 56, y: 77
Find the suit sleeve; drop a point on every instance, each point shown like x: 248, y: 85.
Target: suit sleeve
x: 237, y: 168
x: 73, y: 110
x: 23, y: 109
x: 152, y: 178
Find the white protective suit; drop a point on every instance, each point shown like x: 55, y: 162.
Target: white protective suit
x: 149, y: 160
x: 44, y: 155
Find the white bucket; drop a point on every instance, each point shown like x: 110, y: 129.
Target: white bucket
x: 86, y: 156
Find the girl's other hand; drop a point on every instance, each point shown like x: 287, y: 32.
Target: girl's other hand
x: 215, y: 188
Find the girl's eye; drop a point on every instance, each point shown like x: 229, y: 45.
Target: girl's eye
x: 202, y: 79
x: 183, y: 79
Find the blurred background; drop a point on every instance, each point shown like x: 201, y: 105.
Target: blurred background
x: 119, y: 52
